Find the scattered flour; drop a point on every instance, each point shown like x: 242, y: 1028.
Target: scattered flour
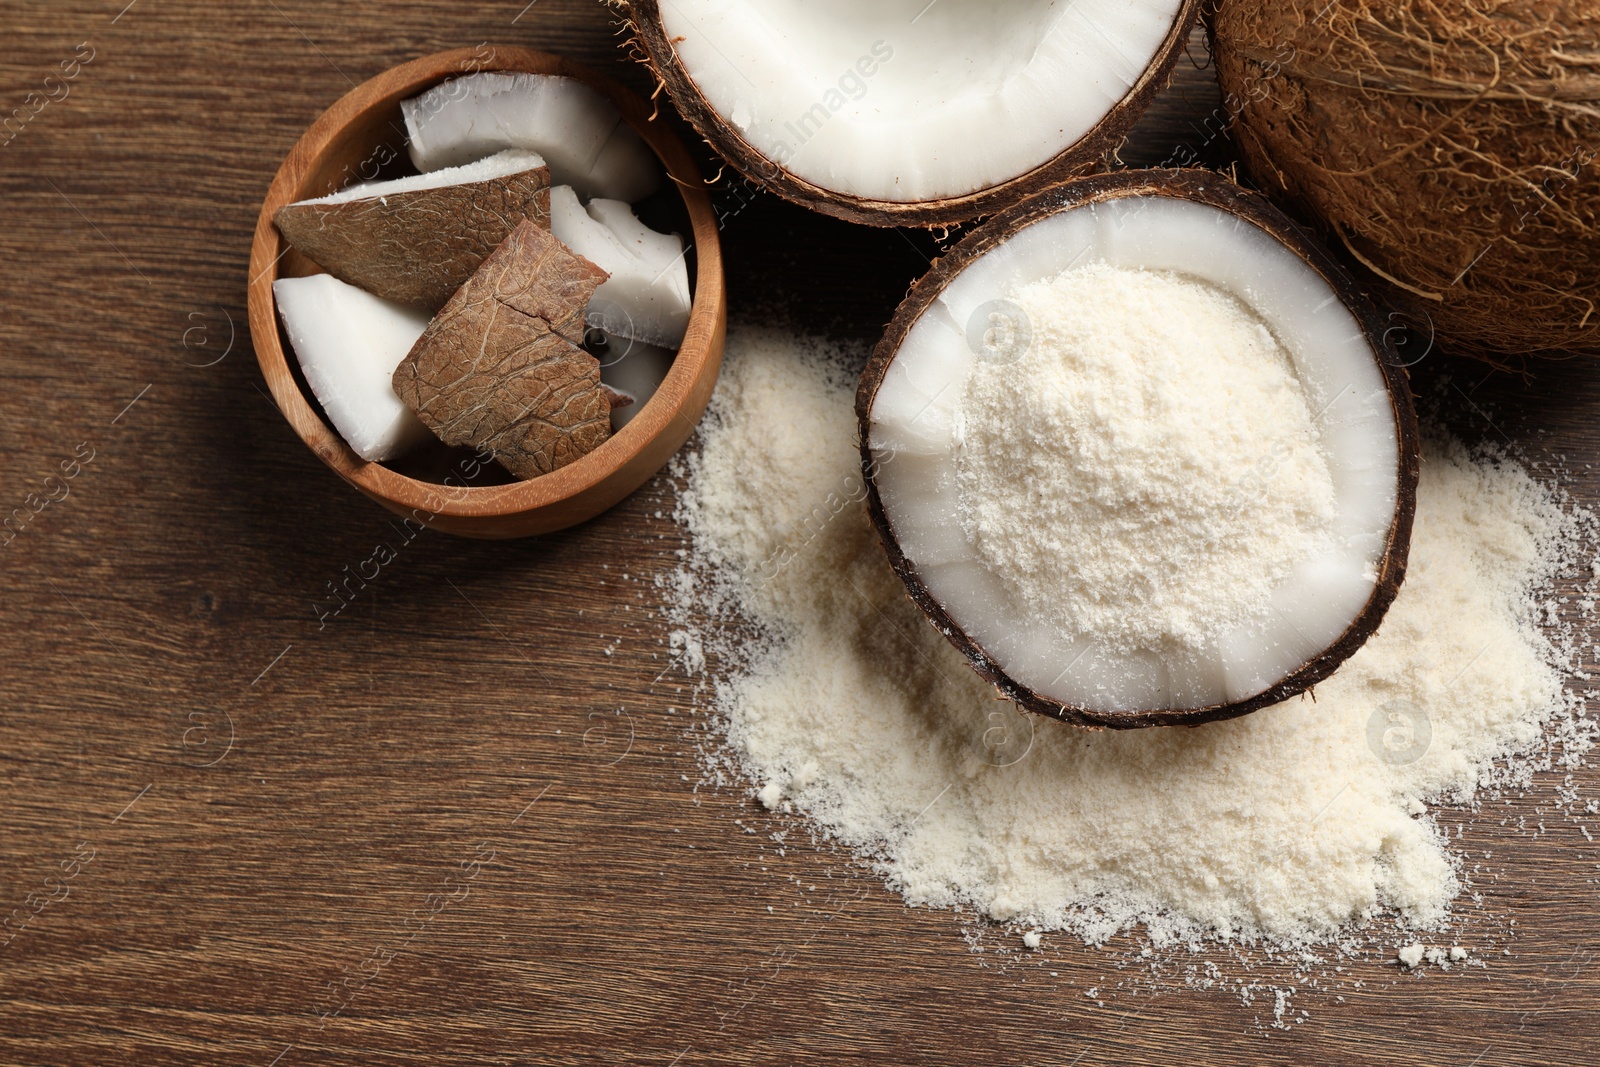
x: 1413, y: 955
x: 1104, y: 473
x: 1285, y: 827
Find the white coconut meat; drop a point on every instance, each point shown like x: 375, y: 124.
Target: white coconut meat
x: 349, y: 342
x: 578, y: 131
x: 647, y: 296
x: 1315, y: 436
x: 636, y: 370
x: 906, y: 100
x: 500, y: 165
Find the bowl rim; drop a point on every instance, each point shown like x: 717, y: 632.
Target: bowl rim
x: 697, y: 355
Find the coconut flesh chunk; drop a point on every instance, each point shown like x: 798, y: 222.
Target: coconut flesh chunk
x: 1304, y: 624
x: 903, y: 100
x: 499, y: 165
x: 349, y: 342
x: 634, y: 369
x: 579, y: 132
x: 647, y: 296
x: 417, y: 239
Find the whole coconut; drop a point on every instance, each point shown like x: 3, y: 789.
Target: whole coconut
x: 1449, y: 145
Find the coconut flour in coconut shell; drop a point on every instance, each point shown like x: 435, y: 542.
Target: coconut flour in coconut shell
x: 1111, y: 475
x: 1290, y: 826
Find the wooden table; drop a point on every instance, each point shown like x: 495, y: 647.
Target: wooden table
x: 442, y: 827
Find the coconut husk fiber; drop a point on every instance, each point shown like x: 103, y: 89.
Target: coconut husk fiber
x: 1450, y: 147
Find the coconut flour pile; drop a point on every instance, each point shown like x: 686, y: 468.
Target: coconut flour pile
x: 1103, y: 473
x: 1289, y: 825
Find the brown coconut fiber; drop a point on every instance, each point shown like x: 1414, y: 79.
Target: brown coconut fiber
x: 1451, y: 147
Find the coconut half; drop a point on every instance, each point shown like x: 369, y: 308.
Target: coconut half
x: 1187, y: 225
x: 906, y: 112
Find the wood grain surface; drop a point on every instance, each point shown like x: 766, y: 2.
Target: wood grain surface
x: 459, y: 818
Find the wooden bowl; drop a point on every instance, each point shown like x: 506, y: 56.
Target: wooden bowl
x: 349, y: 142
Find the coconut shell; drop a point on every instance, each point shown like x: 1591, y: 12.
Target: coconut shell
x: 416, y: 247
x: 1090, y: 153
x: 1201, y: 187
x: 1450, y: 147
x: 500, y: 367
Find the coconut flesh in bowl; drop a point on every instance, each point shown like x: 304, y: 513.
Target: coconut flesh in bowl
x: 905, y: 111
x: 1142, y: 452
x: 481, y: 301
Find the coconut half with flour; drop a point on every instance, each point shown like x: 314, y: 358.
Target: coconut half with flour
x: 1142, y: 451
x: 906, y: 112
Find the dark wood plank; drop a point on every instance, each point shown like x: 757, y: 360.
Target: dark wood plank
x: 444, y: 812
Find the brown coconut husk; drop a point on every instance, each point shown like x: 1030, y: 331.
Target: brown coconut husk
x: 1450, y: 147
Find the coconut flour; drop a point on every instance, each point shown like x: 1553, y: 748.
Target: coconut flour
x: 1289, y: 825
x: 1110, y: 475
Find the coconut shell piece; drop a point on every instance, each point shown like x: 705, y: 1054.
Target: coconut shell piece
x: 416, y: 247
x: 1203, y: 187
x: 500, y: 367
x: 616, y: 398
x: 1451, y: 148
x: 1092, y: 152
